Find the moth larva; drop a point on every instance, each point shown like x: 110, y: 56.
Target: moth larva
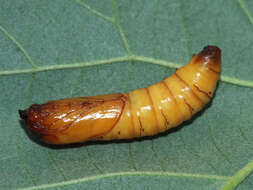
x: 138, y: 113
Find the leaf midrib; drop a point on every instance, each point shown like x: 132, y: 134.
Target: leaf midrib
x: 124, y: 174
x: 131, y: 58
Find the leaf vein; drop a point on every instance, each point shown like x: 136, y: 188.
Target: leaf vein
x: 157, y: 156
x: 245, y: 10
x: 216, y: 145
x: 58, y: 169
x: 27, y: 171
x: 194, y: 153
x: 154, y: 33
x: 243, y: 135
x: 121, y: 31
x: 93, y: 162
x: 122, y: 174
x: 27, y: 56
x: 131, y: 157
x: 186, y: 33
x: 134, y: 58
x: 96, y: 12
x: 78, y: 82
x: 234, y: 181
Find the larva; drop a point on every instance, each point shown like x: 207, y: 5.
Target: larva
x: 138, y: 113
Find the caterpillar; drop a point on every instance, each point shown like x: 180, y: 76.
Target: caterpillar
x: 142, y: 112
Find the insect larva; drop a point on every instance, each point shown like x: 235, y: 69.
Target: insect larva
x: 141, y: 112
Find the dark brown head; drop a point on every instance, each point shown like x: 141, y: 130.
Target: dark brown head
x: 211, y: 52
x: 210, y: 57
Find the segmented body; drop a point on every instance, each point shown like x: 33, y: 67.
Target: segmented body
x: 141, y: 112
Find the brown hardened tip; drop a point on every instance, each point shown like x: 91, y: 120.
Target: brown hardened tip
x: 211, y: 52
x: 210, y: 56
x: 23, y: 114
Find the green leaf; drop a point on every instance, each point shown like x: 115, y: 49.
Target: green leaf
x: 55, y: 49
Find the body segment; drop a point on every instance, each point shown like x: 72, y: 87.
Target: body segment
x: 142, y: 112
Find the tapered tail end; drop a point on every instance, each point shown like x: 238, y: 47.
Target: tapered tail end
x: 211, y: 53
x: 23, y: 114
x: 209, y: 57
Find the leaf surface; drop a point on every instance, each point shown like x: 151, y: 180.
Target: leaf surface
x: 55, y: 49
